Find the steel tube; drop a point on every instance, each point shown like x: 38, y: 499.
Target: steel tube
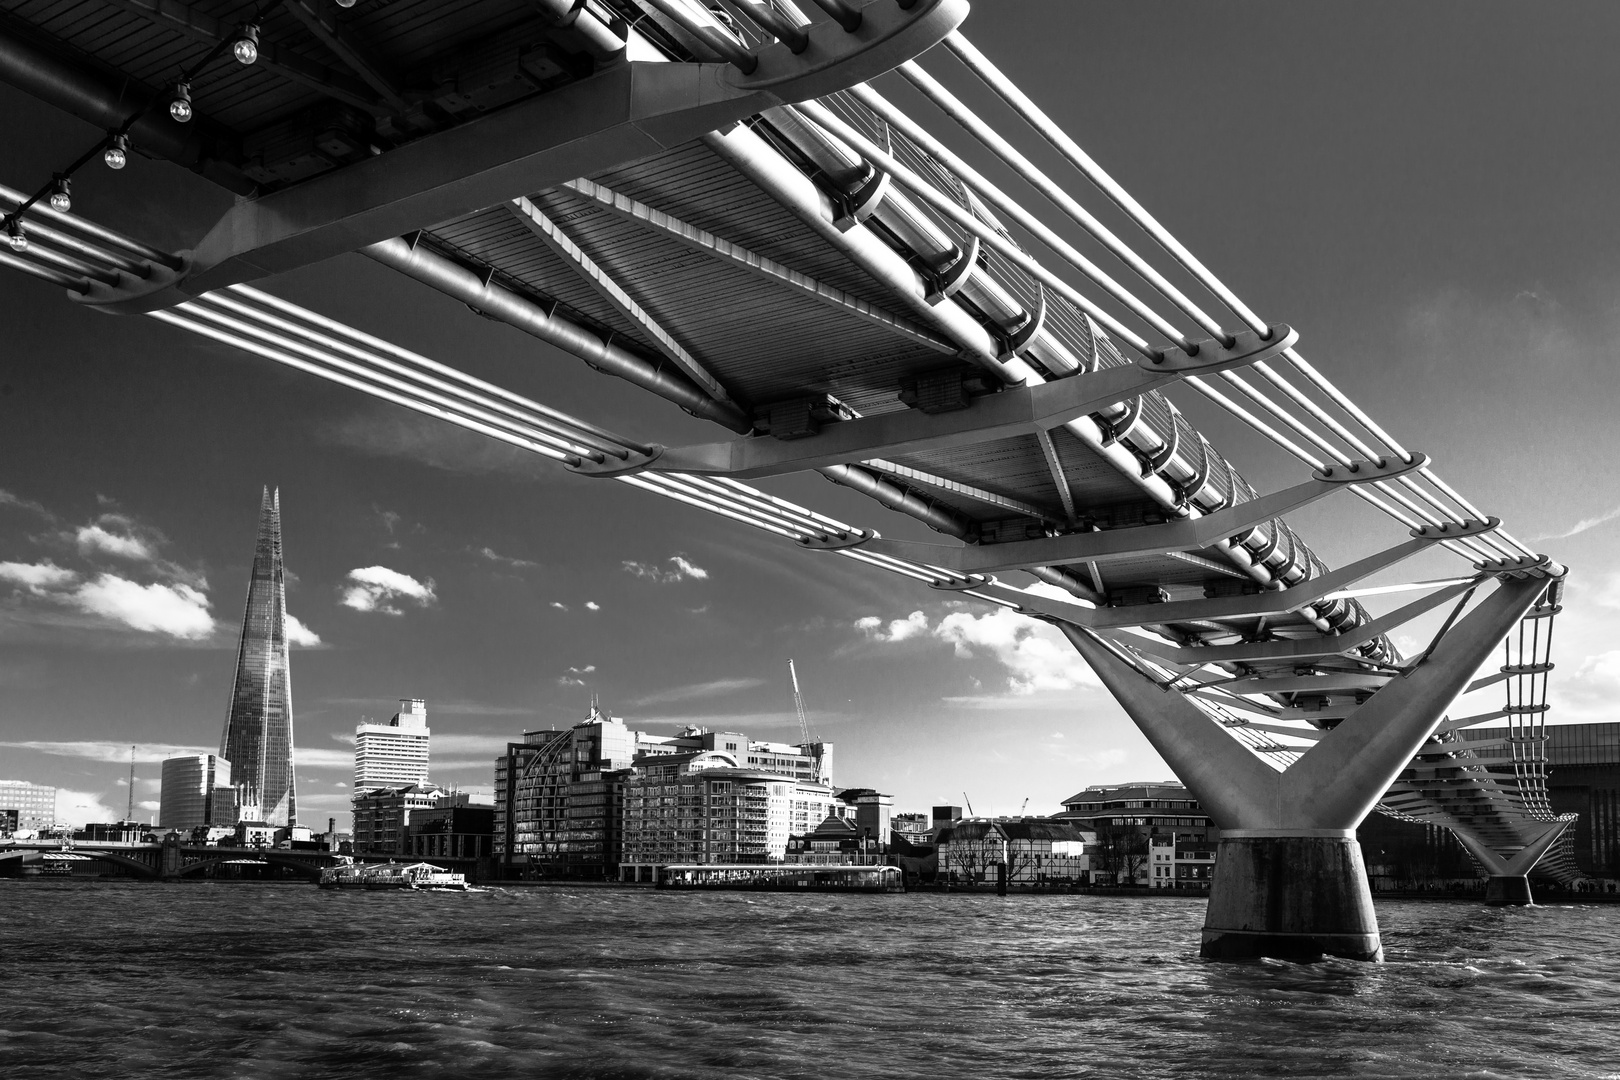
x: 658, y: 484
x: 1027, y: 171
x: 175, y: 318
x: 462, y: 284
x: 44, y: 273
x: 382, y: 345
x: 774, y: 23
x: 77, y: 267
x: 843, y: 13
x: 711, y: 36
x: 367, y: 378
x: 577, y: 20
x: 516, y: 412
x: 915, y: 184
x: 40, y: 211
x: 37, y: 227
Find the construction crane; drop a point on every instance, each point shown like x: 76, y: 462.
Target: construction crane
x: 1021, y: 809
x: 969, y: 803
x: 129, y: 812
x: 798, y: 705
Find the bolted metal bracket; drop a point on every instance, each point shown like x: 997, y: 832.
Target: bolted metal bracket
x: 613, y: 467
x: 1526, y: 566
x: 1370, y: 472
x: 1247, y: 347
x: 963, y: 584
x: 839, y: 541
x: 1451, y: 530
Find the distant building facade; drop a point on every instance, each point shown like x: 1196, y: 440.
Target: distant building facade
x: 35, y: 804
x: 1583, y: 777
x: 562, y: 796
x: 381, y: 816
x: 837, y: 841
x: 394, y: 754
x: 455, y: 828
x: 1035, y: 851
x: 1128, y: 819
x: 913, y: 827
x: 258, y: 736
x: 1177, y: 863
x: 196, y: 791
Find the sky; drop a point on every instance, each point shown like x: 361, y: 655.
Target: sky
x: 1425, y: 192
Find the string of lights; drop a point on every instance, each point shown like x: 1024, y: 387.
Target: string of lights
x: 115, y: 146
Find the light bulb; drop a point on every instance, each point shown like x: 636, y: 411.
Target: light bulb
x: 117, y: 155
x: 345, y: 3
x: 62, y: 195
x: 246, y: 47
x: 180, y: 107
x: 18, y: 238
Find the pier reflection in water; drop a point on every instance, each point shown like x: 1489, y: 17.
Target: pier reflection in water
x: 210, y: 980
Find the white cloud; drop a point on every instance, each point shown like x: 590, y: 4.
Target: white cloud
x: 569, y: 680
x: 505, y: 560
x: 586, y: 670
x: 1035, y: 656
x: 301, y: 635
x: 307, y: 758
x: 698, y: 690
x: 559, y: 606
x: 20, y: 503
x: 109, y: 752
x: 81, y: 808
x: 1581, y: 526
x: 913, y: 625
x: 592, y: 605
x: 150, y: 805
x: 377, y: 588
x: 95, y: 540
x: 177, y: 610
x: 37, y: 577
x: 684, y: 569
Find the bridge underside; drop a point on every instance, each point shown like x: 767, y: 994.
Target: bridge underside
x: 765, y: 241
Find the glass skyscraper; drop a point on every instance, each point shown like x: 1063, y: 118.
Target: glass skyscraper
x: 258, y: 739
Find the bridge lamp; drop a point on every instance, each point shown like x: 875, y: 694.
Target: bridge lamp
x: 180, y: 106
x: 15, y: 234
x: 246, y: 46
x: 62, y: 195
x: 117, y: 155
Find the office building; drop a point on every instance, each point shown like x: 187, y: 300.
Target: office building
x: 196, y: 791
x: 258, y: 736
x: 382, y: 816
x: 456, y: 828
x: 1175, y: 863
x: 35, y: 804
x: 701, y: 807
x: 837, y: 841
x: 394, y: 754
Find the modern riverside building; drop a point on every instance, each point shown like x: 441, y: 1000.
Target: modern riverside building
x: 382, y: 815
x: 196, y: 791
x: 701, y: 808
x: 394, y: 754
x: 559, y: 794
x: 1145, y: 808
x: 258, y: 737
x: 34, y: 804
x: 837, y: 841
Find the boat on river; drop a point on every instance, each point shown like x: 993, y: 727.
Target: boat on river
x: 349, y: 874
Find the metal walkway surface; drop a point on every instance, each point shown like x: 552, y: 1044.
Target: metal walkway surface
x: 716, y: 203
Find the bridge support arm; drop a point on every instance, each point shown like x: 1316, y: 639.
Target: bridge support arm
x: 1509, y: 876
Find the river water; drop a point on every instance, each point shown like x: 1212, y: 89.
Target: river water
x: 132, y: 980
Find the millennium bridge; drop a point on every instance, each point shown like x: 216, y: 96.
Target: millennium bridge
x: 718, y: 203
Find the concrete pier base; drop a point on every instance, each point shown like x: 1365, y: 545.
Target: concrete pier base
x: 1507, y: 890
x: 1293, y: 897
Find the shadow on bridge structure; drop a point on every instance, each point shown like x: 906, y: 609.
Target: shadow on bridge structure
x: 727, y: 209
x: 167, y: 860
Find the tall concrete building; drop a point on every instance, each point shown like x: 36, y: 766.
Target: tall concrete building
x: 35, y: 804
x: 258, y: 738
x: 394, y: 754
x: 196, y: 790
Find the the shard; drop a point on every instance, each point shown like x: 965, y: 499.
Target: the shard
x: 258, y: 739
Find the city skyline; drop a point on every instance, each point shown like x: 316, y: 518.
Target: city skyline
x: 432, y: 564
